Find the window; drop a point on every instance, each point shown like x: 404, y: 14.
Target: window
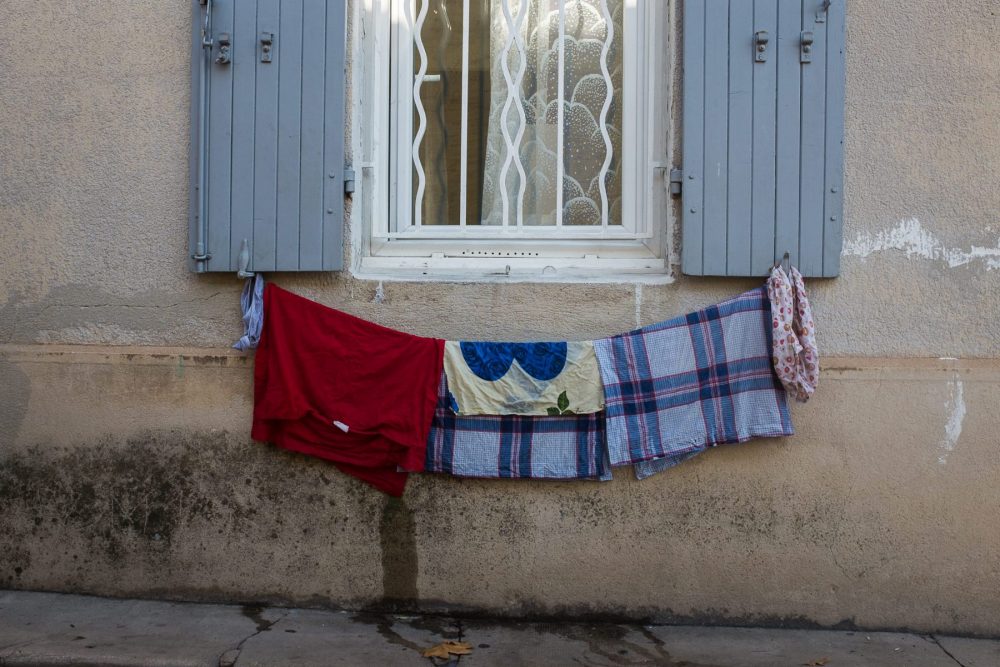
x: 521, y: 137
x: 503, y: 135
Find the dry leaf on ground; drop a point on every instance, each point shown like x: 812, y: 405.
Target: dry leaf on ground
x: 446, y: 649
x: 818, y: 663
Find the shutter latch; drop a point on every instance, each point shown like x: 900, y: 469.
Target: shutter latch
x: 676, y: 182
x: 225, y: 49
x: 760, y: 39
x: 805, y: 50
x: 266, y: 43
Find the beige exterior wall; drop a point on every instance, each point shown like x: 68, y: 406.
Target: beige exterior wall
x: 127, y: 469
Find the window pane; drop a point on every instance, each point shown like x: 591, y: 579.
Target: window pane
x: 520, y: 54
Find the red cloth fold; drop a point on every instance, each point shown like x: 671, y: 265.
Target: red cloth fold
x: 337, y: 387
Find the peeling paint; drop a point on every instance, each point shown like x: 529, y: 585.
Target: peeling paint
x: 911, y: 237
x: 956, y: 415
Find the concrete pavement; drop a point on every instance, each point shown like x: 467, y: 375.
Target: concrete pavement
x: 42, y: 629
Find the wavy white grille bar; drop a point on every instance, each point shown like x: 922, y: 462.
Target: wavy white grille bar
x: 464, y: 162
x: 561, y: 116
x: 609, y: 148
x: 418, y: 200
x: 513, y: 86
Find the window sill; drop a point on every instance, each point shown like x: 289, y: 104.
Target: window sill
x: 590, y: 270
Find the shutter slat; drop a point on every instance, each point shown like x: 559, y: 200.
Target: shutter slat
x: 333, y: 229
x: 764, y: 165
x: 313, y: 109
x: 716, y: 140
x: 786, y: 53
x: 266, y: 147
x: 694, y: 130
x: 741, y: 108
x: 289, y: 55
x: 833, y: 193
x: 220, y: 149
x: 813, y: 145
x: 244, y: 73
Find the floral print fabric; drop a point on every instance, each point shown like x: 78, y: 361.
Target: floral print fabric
x: 794, y: 353
x: 545, y: 379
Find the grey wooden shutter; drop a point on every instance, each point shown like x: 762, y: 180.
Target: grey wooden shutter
x: 762, y: 135
x: 268, y: 135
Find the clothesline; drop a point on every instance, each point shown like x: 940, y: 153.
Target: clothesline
x: 380, y: 403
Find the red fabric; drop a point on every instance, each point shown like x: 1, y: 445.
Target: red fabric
x: 316, y: 366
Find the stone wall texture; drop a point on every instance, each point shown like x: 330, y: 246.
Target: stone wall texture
x: 126, y: 466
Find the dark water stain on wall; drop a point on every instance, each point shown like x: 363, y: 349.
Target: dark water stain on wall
x: 399, y: 554
x: 187, y: 515
x: 111, y: 495
x: 15, y: 390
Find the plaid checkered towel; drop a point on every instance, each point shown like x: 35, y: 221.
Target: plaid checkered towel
x: 673, y: 388
x: 516, y: 446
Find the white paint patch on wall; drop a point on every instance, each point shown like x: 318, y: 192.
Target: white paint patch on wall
x: 956, y: 415
x: 638, y: 306
x: 910, y: 237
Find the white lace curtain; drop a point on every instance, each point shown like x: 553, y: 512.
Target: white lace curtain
x: 524, y: 113
x: 513, y: 171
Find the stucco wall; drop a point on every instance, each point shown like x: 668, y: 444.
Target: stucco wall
x: 94, y: 197
x: 880, y: 510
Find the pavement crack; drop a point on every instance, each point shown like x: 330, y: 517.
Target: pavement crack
x: 461, y: 636
x: 934, y: 640
x: 230, y: 657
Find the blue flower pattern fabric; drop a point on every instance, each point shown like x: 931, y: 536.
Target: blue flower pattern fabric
x: 542, y: 378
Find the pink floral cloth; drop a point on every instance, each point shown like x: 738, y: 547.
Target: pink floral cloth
x: 795, y: 358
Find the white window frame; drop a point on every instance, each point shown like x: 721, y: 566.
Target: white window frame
x: 639, y: 246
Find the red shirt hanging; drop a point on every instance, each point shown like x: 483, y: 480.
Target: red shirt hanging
x: 343, y: 389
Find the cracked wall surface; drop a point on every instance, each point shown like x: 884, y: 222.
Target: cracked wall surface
x: 127, y: 469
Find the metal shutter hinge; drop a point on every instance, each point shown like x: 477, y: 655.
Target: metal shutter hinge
x: 348, y: 180
x: 676, y: 182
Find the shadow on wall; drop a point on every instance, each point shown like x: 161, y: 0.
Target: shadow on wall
x: 399, y: 554
x: 15, y: 390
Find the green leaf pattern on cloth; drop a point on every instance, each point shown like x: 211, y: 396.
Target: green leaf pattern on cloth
x: 563, y: 406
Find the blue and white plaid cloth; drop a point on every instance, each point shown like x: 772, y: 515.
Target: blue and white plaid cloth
x: 516, y: 446
x: 252, y: 306
x: 674, y: 388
